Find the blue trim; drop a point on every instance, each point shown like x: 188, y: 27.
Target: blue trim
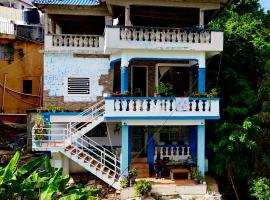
x: 125, y: 150
x: 124, y: 79
x: 201, y: 149
x: 193, y: 140
x: 169, y: 59
x: 112, y: 63
x: 161, y: 117
x: 157, y: 98
x: 201, y: 79
x: 60, y: 113
x: 150, y: 151
x: 181, y: 145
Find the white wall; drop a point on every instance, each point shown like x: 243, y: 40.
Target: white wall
x: 57, y: 67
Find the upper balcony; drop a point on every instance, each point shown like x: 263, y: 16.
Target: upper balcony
x: 153, y: 38
x: 74, y: 42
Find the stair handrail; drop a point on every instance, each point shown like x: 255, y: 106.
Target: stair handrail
x: 92, y: 110
x: 103, y: 155
x: 88, y: 140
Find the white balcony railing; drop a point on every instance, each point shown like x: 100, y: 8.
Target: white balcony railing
x: 161, y: 106
x: 119, y: 37
x: 74, y: 42
x: 174, y: 153
x: 7, y: 28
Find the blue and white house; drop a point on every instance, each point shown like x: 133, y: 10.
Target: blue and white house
x: 131, y: 67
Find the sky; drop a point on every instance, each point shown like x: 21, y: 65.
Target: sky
x: 265, y: 4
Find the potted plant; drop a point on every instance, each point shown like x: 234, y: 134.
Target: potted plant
x: 39, y: 130
x: 132, y: 175
x: 199, y: 177
x: 213, y: 93
x: 124, y: 182
x: 142, y: 188
x: 165, y: 89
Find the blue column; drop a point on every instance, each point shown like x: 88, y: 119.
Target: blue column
x: 124, y: 79
x: 201, y: 79
x: 125, y: 151
x: 201, y: 149
x: 193, y: 140
x: 150, y: 150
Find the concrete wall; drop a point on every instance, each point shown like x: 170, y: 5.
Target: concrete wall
x: 60, y: 66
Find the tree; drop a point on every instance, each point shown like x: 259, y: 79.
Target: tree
x: 240, y: 140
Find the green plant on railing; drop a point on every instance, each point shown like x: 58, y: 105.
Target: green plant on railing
x: 54, y: 108
x: 124, y: 182
x: 41, y: 127
x: 142, y: 187
x: 165, y: 89
x: 213, y: 93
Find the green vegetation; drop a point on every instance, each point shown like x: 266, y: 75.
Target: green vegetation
x: 241, y: 139
x: 38, y: 180
x: 142, y: 187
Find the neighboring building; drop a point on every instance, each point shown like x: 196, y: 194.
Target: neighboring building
x: 93, y: 49
x: 21, y: 63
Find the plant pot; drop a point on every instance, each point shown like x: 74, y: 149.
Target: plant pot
x: 36, y: 144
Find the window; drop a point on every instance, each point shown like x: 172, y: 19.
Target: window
x: 27, y: 86
x: 4, y: 53
x: 78, y: 85
x: 174, y: 134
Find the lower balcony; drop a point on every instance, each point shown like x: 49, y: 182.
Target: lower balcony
x: 161, y: 107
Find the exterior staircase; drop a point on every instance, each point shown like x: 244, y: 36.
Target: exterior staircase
x: 96, y: 159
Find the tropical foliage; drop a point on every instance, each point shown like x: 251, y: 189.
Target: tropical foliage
x: 241, y: 139
x: 38, y: 180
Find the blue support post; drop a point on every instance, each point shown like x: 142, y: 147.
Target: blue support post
x: 124, y: 79
x: 193, y: 140
x: 125, y: 150
x: 201, y: 149
x: 150, y: 151
x: 201, y: 79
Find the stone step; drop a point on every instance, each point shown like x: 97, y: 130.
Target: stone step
x: 138, y: 160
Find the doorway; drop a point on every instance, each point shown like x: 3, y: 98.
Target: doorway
x: 139, y: 81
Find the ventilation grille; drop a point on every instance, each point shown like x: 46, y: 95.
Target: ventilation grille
x: 79, y: 86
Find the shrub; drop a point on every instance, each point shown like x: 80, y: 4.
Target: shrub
x: 124, y: 182
x: 261, y: 188
x: 142, y: 187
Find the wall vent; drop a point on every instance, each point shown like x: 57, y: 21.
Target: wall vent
x: 79, y: 86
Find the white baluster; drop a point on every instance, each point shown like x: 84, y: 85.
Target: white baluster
x: 179, y: 36
x: 190, y: 37
x: 173, y: 36
x: 144, y: 105
x: 183, y: 151
x: 123, y: 34
x: 173, y: 105
x: 85, y: 41
x: 184, y: 36
x: 167, y: 105
x: 188, y: 151
x: 152, y: 35
x: 158, y: 106
x: 167, y: 151
x: 91, y: 42
x: 161, y: 153
x: 169, y: 35
x: 71, y: 41
x: 196, y: 37
x: 141, y: 34
x: 202, y: 37
x: 80, y: 42
x: 163, y: 36
x: 128, y: 34
x: 65, y: 39
x: 158, y: 36
x: 96, y: 42
x: 134, y: 34
x: 138, y: 105
x: 152, y: 105
x: 117, y: 105
x: 124, y: 105
x: 146, y: 35
x: 194, y: 104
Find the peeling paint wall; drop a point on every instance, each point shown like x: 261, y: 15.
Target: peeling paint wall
x: 60, y: 66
